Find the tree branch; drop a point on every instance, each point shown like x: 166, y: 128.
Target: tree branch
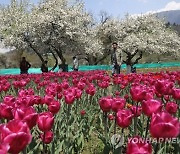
x: 140, y: 57
x: 33, y: 48
x: 56, y: 63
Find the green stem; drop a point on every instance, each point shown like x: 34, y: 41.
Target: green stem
x: 135, y: 120
x: 115, y: 121
x: 105, y: 123
x: 147, y: 127
x: 156, y: 148
x: 178, y: 112
x: 24, y: 151
x: 44, y: 147
x: 122, y: 132
x: 165, y: 147
x: 162, y: 100
x: 90, y: 100
x: 142, y: 125
x: 68, y: 124
x: 76, y: 105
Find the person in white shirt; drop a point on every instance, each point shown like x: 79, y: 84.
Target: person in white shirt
x: 75, y: 64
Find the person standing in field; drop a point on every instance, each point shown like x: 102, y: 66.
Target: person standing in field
x: 24, y: 66
x: 75, y: 64
x: 116, y: 59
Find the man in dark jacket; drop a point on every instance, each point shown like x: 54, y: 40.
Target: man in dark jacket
x: 24, y: 66
x: 115, y: 59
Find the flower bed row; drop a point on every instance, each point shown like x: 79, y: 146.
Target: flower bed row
x: 60, y: 112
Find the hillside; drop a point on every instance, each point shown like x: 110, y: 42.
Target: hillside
x: 172, y: 16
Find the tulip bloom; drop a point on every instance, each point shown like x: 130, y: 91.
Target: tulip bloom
x: 54, y: 107
x: 164, y: 87
x: 9, y: 99
x: 103, y: 84
x: 69, y: 98
x: 118, y: 104
x: 151, y: 106
x: 4, y: 147
x: 126, y: 96
x: 27, y: 115
x: 6, y: 111
x: 138, y: 93
x: 171, y: 107
x: 48, y: 99
x: 91, y: 90
x: 136, y: 145
x: 81, y: 85
x: 105, y: 103
x: 124, y: 118
x: 45, y: 121
x: 163, y: 125
x: 136, y: 110
x: 47, y: 137
x: 59, y: 96
x: 78, y: 93
x: 37, y: 99
x: 176, y: 94
x: 17, y: 134
x: 65, y: 85
x: 117, y: 93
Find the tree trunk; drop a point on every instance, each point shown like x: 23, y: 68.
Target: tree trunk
x: 26, y: 39
x: 128, y: 69
x: 56, y: 61
x: 92, y: 60
x: 39, y: 55
x: 60, y: 55
x: 129, y: 63
x: 101, y: 59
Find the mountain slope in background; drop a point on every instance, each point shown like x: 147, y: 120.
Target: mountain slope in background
x: 172, y: 16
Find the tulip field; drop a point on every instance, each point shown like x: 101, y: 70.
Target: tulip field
x: 90, y: 113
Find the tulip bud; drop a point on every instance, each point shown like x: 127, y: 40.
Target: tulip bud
x: 171, y: 107
x: 83, y: 112
x: 47, y: 137
x: 176, y: 94
x: 54, y: 107
x: 111, y: 117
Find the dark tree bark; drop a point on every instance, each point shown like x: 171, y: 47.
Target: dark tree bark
x: 57, y: 50
x: 92, y: 60
x: 82, y: 56
x: 129, y: 61
x: 39, y: 55
x: 27, y: 40
x: 3, y: 60
x: 101, y: 59
x: 56, y: 61
x: 59, y: 53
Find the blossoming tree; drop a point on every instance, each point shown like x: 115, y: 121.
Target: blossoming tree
x: 54, y: 26
x: 143, y: 34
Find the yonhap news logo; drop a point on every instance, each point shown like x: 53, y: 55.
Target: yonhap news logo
x: 118, y: 140
x: 154, y: 140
